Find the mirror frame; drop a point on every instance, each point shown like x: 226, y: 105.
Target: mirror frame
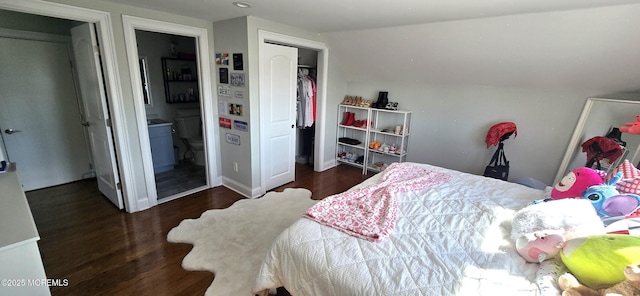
x: 144, y: 78
x: 573, y: 143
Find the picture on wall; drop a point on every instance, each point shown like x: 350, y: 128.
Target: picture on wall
x: 224, y: 75
x: 241, y: 125
x: 233, y: 139
x: 237, y: 62
x: 225, y: 122
x: 237, y: 79
x: 235, y: 109
x: 224, y: 90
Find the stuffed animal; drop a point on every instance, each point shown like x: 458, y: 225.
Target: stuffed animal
x: 540, y: 245
x: 608, y: 202
x: 539, y: 230
x: 598, y: 261
x: 630, y: 286
x: 576, y: 182
x: 632, y: 127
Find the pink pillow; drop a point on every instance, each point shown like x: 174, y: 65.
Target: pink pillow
x: 630, y: 182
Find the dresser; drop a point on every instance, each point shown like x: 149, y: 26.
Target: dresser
x: 21, y: 268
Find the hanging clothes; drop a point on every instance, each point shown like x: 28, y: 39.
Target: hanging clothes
x: 306, y: 99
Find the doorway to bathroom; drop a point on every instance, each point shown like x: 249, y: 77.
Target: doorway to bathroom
x: 169, y: 86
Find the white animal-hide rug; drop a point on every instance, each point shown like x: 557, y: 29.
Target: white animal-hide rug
x: 232, y: 242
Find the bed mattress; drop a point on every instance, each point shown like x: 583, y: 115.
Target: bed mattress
x: 449, y: 239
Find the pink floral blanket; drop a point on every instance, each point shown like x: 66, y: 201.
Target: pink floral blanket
x: 370, y: 212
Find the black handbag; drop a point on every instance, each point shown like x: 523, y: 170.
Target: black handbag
x: 498, y: 168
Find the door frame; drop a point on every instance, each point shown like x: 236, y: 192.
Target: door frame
x: 131, y: 24
x: 103, y: 23
x: 321, y: 97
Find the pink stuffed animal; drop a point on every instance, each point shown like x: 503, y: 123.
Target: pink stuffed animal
x: 540, y: 245
x: 576, y: 182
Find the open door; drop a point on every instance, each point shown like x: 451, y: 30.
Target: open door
x: 278, y: 79
x: 96, y: 115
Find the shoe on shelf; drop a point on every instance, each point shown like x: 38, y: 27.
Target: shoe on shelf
x: 347, y: 115
x: 351, y: 119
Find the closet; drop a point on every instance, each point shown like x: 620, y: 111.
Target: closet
x: 306, y: 105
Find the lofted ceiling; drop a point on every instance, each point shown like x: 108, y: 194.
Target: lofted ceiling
x: 322, y: 16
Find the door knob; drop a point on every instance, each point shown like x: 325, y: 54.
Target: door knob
x: 292, y: 126
x: 11, y: 131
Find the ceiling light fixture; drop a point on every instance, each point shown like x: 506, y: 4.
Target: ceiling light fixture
x: 242, y: 4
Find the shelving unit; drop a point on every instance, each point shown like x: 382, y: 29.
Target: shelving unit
x: 349, y: 153
x: 391, y: 129
x: 381, y: 127
x: 180, y: 80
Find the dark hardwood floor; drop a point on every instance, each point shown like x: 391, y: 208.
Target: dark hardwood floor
x: 104, y: 251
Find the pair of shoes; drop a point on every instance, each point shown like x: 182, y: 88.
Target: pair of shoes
x: 632, y: 127
x: 392, y: 106
x: 366, y: 103
x: 348, y: 100
x: 383, y: 100
x: 349, y: 118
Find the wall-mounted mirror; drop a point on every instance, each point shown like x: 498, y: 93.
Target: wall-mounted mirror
x: 598, y: 118
x: 144, y: 77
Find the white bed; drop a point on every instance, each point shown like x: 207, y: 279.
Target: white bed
x: 449, y: 239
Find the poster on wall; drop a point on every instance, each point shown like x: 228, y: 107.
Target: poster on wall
x: 222, y: 59
x: 241, y: 125
x: 224, y: 75
x: 224, y: 90
x: 235, y: 109
x: 233, y: 139
x: 237, y: 79
x: 237, y: 62
x: 225, y: 122
x: 222, y: 108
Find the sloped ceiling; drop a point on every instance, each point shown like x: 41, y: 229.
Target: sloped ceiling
x: 589, y: 49
x: 323, y: 16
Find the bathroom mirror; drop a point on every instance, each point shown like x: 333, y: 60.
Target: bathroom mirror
x: 598, y: 117
x: 144, y: 78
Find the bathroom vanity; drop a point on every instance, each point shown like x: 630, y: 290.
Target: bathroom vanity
x: 21, y: 271
x: 161, y: 143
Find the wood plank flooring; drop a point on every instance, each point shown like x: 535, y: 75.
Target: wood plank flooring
x: 104, y: 251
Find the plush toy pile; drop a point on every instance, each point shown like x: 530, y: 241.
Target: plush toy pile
x: 630, y: 286
x: 566, y: 233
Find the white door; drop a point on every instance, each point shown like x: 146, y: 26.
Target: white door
x: 92, y: 91
x: 39, y: 117
x: 278, y: 78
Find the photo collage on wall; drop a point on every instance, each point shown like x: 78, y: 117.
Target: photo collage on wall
x: 231, y: 94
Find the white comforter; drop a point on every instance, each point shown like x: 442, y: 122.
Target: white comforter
x: 450, y: 239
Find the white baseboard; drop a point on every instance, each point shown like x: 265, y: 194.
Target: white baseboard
x: 241, y: 188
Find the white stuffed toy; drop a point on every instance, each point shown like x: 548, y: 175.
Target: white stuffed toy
x: 540, y: 231
x: 542, y: 223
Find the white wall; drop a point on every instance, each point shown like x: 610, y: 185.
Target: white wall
x: 231, y: 37
x: 461, y: 77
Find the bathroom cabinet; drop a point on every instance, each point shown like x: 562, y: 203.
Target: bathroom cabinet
x: 161, y: 144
